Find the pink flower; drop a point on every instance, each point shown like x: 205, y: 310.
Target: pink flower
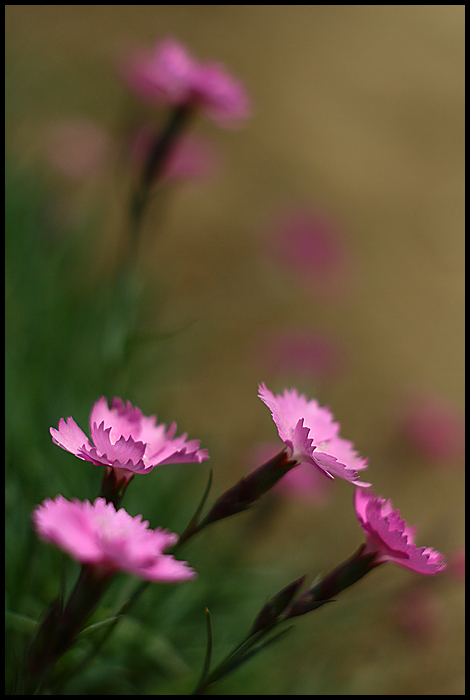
x: 391, y: 538
x: 168, y: 73
x: 123, y: 438
x: 312, y: 436
x: 110, y: 540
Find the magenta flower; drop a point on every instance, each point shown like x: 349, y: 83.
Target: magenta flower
x: 109, y: 540
x: 312, y: 436
x: 169, y: 74
x: 388, y: 535
x: 125, y: 439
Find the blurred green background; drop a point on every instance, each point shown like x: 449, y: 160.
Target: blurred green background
x: 358, y: 112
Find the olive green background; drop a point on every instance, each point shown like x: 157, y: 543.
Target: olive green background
x: 358, y: 110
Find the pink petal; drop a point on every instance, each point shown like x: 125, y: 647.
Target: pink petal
x: 70, y: 437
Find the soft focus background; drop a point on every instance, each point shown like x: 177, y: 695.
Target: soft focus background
x: 358, y: 128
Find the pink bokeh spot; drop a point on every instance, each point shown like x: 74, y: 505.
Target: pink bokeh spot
x: 302, y: 482
x: 434, y: 427
x: 312, y: 436
x: 190, y: 158
x: 313, y: 353
x: 309, y: 243
x: 389, y: 536
x: 77, y: 147
x: 125, y: 439
x: 169, y: 74
x: 109, y: 540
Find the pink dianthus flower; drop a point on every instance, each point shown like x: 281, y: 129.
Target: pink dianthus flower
x: 123, y: 438
x: 109, y: 540
x: 312, y: 436
x: 389, y: 536
x: 169, y: 74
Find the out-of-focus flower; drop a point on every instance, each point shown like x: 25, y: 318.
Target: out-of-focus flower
x: 77, y: 147
x: 434, y: 427
x: 302, y: 482
x: 312, y: 436
x: 169, y: 74
x: 125, y: 439
x: 415, y: 611
x: 388, y: 535
x: 457, y: 564
x: 109, y: 540
x: 309, y: 243
x: 316, y: 353
x: 190, y: 159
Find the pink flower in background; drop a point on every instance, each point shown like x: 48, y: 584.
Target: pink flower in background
x: 124, y: 438
x: 77, y: 147
x: 457, y: 564
x: 302, y: 482
x: 110, y: 540
x: 169, y: 74
x: 416, y: 612
x: 391, y: 538
x: 312, y: 436
x: 317, y: 354
x: 191, y: 158
x: 311, y: 245
x: 434, y: 427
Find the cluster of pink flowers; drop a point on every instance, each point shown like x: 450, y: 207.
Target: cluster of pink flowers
x: 125, y: 442
x: 311, y: 436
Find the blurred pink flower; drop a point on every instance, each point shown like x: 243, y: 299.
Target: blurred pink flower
x: 125, y: 439
x: 302, y: 482
x: 310, y: 244
x: 312, y: 436
x: 416, y: 612
x: 169, y: 74
x: 457, y: 564
x: 317, y: 354
x: 434, y: 427
x: 391, y: 538
x: 77, y: 147
x: 190, y: 158
x: 109, y: 540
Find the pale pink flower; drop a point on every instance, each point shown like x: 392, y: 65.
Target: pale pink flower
x: 388, y: 535
x: 109, y: 540
x: 312, y: 436
x: 169, y: 74
x: 124, y: 438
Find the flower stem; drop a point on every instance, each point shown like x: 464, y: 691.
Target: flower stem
x: 59, y: 629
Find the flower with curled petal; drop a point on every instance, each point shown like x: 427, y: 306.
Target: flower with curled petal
x: 311, y: 435
x: 389, y: 536
x: 124, y: 439
x: 169, y: 74
x: 109, y: 540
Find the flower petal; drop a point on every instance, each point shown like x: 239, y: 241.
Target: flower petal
x: 70, y: 437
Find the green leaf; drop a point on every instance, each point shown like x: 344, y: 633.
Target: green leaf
x: 18, y: 622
